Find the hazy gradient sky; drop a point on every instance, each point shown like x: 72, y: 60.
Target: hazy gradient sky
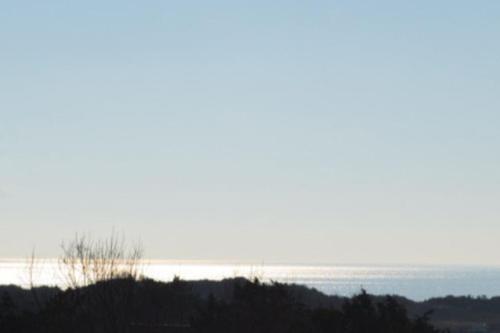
x: 292, y: 131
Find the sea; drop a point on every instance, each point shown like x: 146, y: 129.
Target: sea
x: 416, y: 282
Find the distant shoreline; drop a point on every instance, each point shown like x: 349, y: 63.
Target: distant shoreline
x: 414, y: 282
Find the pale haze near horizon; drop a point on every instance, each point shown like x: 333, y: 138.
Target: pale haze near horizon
x: 284, y: 131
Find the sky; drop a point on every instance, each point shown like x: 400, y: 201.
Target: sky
x: 265, y: 131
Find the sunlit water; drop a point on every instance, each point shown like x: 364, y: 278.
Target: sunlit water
x: 415, y: 282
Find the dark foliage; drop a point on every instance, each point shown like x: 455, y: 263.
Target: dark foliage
x: 125, y: 305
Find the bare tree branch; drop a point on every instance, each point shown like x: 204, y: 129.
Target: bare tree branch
x: 86, y: 261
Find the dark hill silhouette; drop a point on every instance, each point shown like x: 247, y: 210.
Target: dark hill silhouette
x: 125, y: 305
x: 234, y: 305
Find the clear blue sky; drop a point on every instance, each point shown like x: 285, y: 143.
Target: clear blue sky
x: 296, y: 131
